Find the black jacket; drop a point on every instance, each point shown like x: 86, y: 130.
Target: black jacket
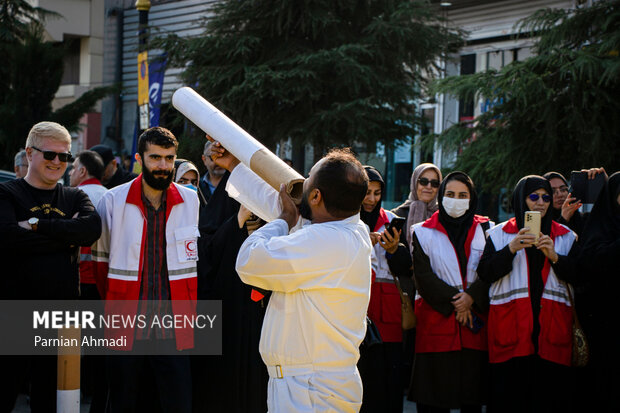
x: 43, y: 264
x: 120, y: 177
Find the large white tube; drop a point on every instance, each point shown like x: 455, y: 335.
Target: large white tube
x: 238, y: 142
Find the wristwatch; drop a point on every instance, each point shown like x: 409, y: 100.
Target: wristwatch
x: 34, y: 223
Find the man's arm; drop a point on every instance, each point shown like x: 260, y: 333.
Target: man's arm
x: 83, y: 229
x: 13, y: 237
x: 308, y: 258
x: 247, y: 188
x: 244, y: 186
x: 272, y: 260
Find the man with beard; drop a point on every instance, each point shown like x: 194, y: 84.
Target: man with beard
x: 147, y: 252
x: 319, y: 276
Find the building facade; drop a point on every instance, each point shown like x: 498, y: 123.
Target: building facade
x: 79, y: 27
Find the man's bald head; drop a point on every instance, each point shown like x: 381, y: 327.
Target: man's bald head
x: 342, y: 181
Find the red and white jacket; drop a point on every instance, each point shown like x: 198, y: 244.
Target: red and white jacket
x: 95, y: 190
x: 510, y: 314
x: 384, y: 308
x: 119, y: 253
x: 436, y: 332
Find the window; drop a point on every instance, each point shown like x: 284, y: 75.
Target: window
x: 466, y: 108
x: 71, y: 73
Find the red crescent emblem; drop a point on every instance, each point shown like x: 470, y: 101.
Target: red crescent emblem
x: 190, y: 246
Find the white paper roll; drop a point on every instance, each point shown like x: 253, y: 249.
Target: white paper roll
x: 217, y: 125
x: 241, y: 144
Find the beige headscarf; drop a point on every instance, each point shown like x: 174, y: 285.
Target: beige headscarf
x: 419, y: 211
x: 185, y: 167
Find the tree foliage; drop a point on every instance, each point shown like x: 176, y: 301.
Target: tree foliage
x: 30, y: 78
x: 328, y: 72
x: 557, y: 110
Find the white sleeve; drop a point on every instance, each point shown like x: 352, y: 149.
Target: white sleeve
x: 374, y: 262
x: 101, y: 248
x: 275, y: 261
x: 247, y: 188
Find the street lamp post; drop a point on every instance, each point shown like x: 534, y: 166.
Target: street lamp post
x: 143, y: 7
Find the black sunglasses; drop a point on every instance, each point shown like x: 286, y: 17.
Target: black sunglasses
x: 534, y: 197
x: 425, y: 181
x: 51, y: 155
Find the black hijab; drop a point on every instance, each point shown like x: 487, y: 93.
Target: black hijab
x: 370, y: 218
x: 604, y: 222
x: 457, y: 228
x: 524, y: 187
x: 555, y: 213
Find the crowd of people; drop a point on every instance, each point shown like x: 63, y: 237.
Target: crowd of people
x: 300, y: 282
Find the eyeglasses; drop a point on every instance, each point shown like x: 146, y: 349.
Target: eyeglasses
x: 534, y: 197
x: 51, y: 155
x: 425, y: 181
x: 560, y: 190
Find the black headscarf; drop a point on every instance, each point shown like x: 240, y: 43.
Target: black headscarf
x: 555, y: 213
x: 604, y: 222
x: 370, y: 218
x: 535, y: 257
x: 457, y: 228
x: 524, y: 187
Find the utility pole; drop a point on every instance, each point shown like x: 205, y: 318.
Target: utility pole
x: 143, y: 7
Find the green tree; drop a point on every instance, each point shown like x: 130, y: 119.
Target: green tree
x: 557, y: 110
x: 30, y: 78
x: 329, y: 72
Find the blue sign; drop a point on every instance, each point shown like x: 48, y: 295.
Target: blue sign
x: 157, y: 69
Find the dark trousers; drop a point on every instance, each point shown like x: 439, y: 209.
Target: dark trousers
x: 40, y: 371
x: 93, y: 382
x: 380, y: 368
x: 172, y: 381
x: 531, y: 385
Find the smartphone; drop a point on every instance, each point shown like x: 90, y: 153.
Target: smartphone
x: 532, y: 221
x: 476, y: 322
x: 584, y: 189
x: 396, y: 222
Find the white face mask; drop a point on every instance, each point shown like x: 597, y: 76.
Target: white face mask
x: 455, y: 207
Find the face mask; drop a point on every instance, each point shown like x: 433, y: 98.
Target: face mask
x: 455, y: 207
x: 190, y: 186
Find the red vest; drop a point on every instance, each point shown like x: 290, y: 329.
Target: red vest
x: 384, y: 308
x: 510, y: 315
x: 119, y: 255
x: 436, y: 332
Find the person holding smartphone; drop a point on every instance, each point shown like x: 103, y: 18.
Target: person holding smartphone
x: 380, y: 365
x: 451, y: 363
x: 530, y: 316
x: 565, y: 208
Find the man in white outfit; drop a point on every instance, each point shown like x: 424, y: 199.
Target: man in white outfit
x: 320, y: 277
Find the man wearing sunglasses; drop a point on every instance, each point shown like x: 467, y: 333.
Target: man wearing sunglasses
x: 42, y: 225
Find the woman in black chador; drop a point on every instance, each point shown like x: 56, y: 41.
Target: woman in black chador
x: 236, y: 380
x: 600, y: 271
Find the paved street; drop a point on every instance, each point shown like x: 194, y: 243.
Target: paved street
x: 22, y: 406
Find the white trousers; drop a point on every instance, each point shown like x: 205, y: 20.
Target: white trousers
x: 320, y: 391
